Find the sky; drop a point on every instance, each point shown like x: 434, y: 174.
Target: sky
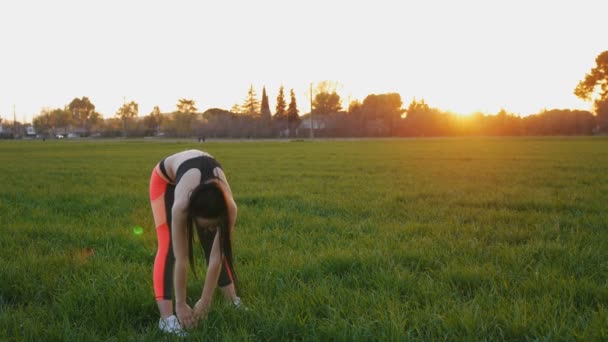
x: 463, y: 56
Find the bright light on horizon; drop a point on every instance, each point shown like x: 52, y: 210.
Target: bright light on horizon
x: 464, y: 57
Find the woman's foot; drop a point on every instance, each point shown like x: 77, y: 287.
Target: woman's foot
x: 238, y: 304
x: 171, y: 325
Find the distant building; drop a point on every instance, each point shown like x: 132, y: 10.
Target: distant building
x: 5, y: 133
x: 30, y: 131
x: 317, y: 124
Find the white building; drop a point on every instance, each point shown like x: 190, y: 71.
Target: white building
x: 30, y: 131
x: 316, y: 124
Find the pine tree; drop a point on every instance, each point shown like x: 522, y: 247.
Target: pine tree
x: 265, y: 109
x: 236, y: 109
x: 281, y: 110
x: 251, y: 105
x: 293, y: 117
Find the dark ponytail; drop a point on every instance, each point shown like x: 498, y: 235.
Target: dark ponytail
x: 207, y: 200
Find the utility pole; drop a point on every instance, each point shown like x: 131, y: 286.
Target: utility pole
x: 312, y: 134
x: 124, y: 121
x: 14, y: 122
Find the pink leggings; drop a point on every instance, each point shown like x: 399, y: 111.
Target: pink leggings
x: 161, y: 199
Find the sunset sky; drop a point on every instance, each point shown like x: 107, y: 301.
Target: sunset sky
x: 463, y: 56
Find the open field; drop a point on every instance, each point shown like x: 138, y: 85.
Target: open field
x: 430, y: 239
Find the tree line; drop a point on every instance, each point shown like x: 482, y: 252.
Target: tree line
x: 252, y: 118
x: 378, y: 115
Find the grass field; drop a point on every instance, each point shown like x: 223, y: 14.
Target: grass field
x: 430, y: 239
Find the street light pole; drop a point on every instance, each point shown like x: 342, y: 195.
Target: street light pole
x: 312, y: 134
x: 14, y: 122
x: 124, y: 121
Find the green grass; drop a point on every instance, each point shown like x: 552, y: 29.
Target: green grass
x: 430, y: 239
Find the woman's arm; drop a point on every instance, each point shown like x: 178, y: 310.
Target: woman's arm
x: 179, y: 238
x: 213, y: 273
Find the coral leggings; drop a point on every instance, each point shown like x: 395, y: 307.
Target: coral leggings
x: 161, y: 198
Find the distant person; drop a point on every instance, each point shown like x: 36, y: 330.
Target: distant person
x: 188, y: 192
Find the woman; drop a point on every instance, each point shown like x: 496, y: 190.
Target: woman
x: 189, y: 191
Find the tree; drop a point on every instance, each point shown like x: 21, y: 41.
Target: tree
x: 42, y: 122
x: 601, y: 110
x: 265, y: 129
x: 293, y: 117
x: 355, y: 113
x: 559, y: 122
x: 503, y: 123
x: 385, y: 108
x: 154, y: 120
x: 354, y: 107
x: 265, y: 107
x: 60, y: 119
x: 236, y: 109
x: 94, y: 122
x: 186, y: 106
x: 280, y: 116
x: 281, y: 111
x: 598, y: 77
x: 251, y: 105
x: 112, y: 126
x: 183, y: 123
x: 327, y: 87
x: 127, y: 113
x: 421, y: 120
x: 326, y: 103
x: 220, y: 122
x: 81, y: 109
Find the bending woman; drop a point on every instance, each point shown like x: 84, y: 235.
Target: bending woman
x: 189, y: 191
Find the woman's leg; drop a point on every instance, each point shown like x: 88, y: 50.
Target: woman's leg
x: 161, y: 199
x: 163, y: 266
x: 229, y: 292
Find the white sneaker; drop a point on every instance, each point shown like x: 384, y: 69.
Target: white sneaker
x: 171, y: 326
x: 239, y: 305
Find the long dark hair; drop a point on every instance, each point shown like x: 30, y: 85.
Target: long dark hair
x: 207, y: 200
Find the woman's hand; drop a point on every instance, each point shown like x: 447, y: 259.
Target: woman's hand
x: 200, y: 310
x: 186, y: 316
